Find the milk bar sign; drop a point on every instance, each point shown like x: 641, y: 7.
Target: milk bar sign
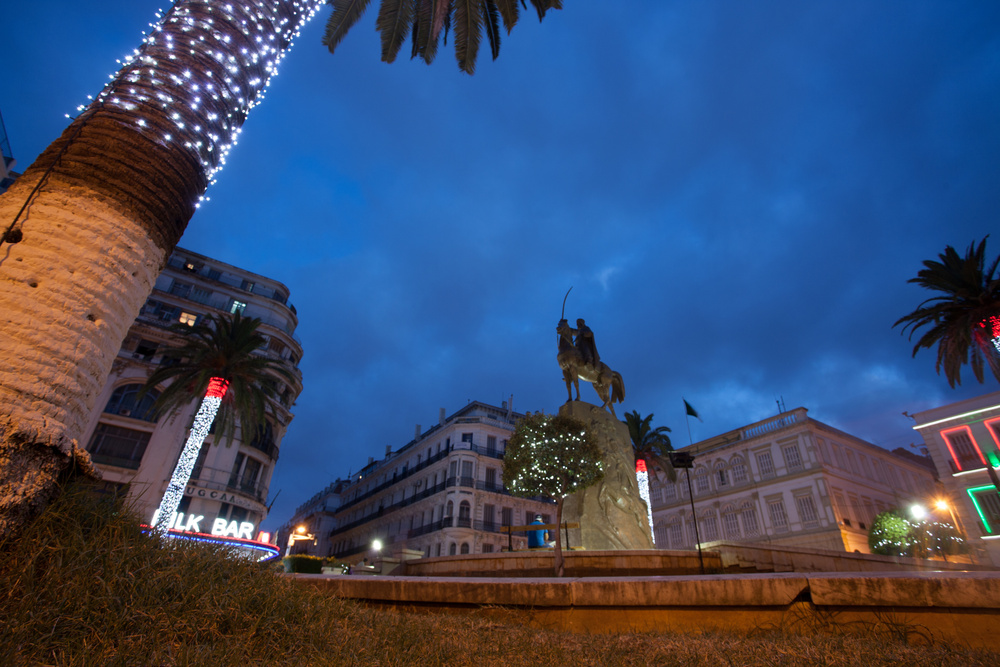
x: 191, y: 523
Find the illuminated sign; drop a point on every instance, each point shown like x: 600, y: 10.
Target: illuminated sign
x: 220, y: 527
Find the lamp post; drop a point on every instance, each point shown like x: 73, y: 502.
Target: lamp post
x: 686, y: 461
x: 300, y: 533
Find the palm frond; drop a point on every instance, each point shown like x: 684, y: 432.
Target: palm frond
x: 509, y: 11
x: 394, y: 20
x: 468, y: 18
x: 345, y: 14
x: 492, y: 23
x: 542, y: 6
x: 968, y: 294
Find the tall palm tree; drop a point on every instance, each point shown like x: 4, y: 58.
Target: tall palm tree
x: 964, y: 321
x: 87, y: 228
x: 651, y: 447
x: 221, y: 360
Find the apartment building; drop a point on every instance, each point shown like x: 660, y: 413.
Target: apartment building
x: 137, y: 453
x: 441, y: 493
x: 963, y: 439
x: 788, y: 480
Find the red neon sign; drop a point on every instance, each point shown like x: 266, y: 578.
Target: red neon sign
x: 968, y: 432
x: 640, y: 466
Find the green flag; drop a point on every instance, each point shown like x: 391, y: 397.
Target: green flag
x: 691, y: 411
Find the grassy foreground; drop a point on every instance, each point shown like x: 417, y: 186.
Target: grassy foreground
x: 84, y: 587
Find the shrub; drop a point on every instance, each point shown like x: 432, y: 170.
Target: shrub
x: 303, y: 564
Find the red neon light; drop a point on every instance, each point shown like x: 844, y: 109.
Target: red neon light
x: 216, y: 388
x: 993, y: 426
x: 993, y: 324
x: 968, y: 432
x: 640, y: 466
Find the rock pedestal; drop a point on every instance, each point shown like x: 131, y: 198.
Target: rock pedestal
x: 610, y: 513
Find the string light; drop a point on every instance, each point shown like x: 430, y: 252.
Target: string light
x: 992, y: 324
x: 165, y: 514
x: 642, y: 477
x: 201, y: 68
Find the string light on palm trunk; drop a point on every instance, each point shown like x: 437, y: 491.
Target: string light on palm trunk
x: 992, y: 326
x: 642, y: 477
x: 201, y: 69
x: 164, y: 517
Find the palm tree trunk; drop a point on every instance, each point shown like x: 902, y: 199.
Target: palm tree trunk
x: 92, y: 221
x: 164, y: 518
x: 560, y: 563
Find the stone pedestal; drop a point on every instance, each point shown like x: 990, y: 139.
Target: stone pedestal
x: 611, y: 514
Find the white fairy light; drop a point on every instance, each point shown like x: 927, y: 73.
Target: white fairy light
x: 189, y: 455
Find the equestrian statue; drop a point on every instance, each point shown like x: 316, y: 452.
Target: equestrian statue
x: 579, y: 360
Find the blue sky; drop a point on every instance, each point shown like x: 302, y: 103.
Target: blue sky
x: 736, y: 192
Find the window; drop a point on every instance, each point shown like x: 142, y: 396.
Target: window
x: 855, y: 504
x: 852, y: 463
x: 807, y: 509
x: 145, y: 350
x: 467, y: 437
x: 247, y: 285
x: 749, y: 515
x: 491, y: 444
x: 739, y: 469
x: 838, y: 456
x: 464, y: 514
x: 764, y: 464
x: 963, y: 448
x: 987, y: 504
x: 701, y: 481
x: 180, y: 289
x: 116, y: 446
x: 708, y: 525
x: 865, y: 466
x: 467, y: 479
x: 507, y: 516
x: 655, y: 494
x: 721, y: 477
x: 731, y: 524
x: 669, y: 491
x: 187, y: 318
x: 236, y: 306
x: 276, y: 346
x: 487, y: 548
x: 660, y: 536
x: 823, y: 454
x: 793, y: 459
x: 489, y: 511
x: 465, y: 548
x: 676, y: 533
x: 779, y: 519
x: 491, y: 479
x: 451, y: 549
x: 124, y: 402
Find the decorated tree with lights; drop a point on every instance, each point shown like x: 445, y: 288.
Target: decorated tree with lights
x: 651, y: 447
x: 964, y: 320
x: 894, y: 534
x: 89, y: 225
x: 220, y: 359
x: 551, y: 457
x: 891, y: 534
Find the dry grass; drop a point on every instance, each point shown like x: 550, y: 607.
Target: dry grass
x: 84, y: 587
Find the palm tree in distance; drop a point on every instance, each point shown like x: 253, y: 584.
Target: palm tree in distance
x: 220, y: 359
x: 651, y: 447
x: 89, y: 225
x: 964, y: 320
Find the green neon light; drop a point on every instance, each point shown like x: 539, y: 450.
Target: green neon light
x: 972, y: 494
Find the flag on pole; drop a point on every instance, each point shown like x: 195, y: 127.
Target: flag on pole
x: 691, y: 411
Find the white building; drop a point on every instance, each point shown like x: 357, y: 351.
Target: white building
x: 137, y: 454
x: 316, y: 517
x: 789, y: 480
x: 962, y: 438
x: 441, y: 493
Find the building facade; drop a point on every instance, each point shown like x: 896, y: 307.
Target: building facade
x: 963, y: 439
x: 788, y: 480
x: 7, y: 161
x: 137, y: 453
x: 441, y: 494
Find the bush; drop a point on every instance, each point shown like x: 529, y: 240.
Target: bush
x: 303, y: 564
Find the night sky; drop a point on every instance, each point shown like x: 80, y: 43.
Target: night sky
x: 736, y: 192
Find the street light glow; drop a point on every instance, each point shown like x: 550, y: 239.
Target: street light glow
x: 918, y: 512
x: 377, y: 545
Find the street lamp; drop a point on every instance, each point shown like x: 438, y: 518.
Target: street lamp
x: 918, y: 512
x: 300, y: 533
x: 686, y: 461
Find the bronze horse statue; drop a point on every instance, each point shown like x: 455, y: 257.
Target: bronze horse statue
x: 607, y: 383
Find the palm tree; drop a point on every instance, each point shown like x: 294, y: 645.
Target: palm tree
x: 964, y: 321
x: 651, y: 447
x: 219, y: 359
x: 87, y: 228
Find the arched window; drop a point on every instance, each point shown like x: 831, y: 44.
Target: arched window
x: 738, y: 468
x: 660, y: 534
x: 676, y: 533
x: 465, y: 547
x: 708, y: 527
x: 123, y: 402
x: 721, y: 475
x: 751, y: 527
x: 451, y: 549
x: 449, y: 509
x: 701, y: 481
